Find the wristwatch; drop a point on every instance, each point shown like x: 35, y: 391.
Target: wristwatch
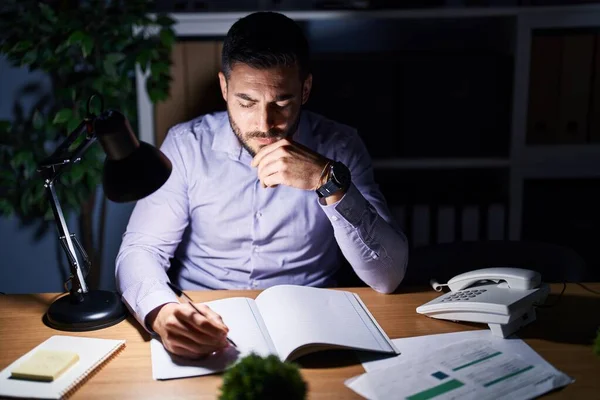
x: 339, y: 179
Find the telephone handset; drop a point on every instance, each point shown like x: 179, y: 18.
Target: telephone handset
x: 502, y: 297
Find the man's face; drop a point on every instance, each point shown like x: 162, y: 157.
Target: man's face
x: 263, y: 104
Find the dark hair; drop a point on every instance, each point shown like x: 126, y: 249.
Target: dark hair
x: 264, y: 40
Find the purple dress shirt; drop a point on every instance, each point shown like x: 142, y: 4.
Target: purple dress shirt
x: 228, y: 232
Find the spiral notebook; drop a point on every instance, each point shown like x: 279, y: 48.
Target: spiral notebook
x: 93, y: 353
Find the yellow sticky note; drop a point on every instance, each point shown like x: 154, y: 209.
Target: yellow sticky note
x: 45, y: 365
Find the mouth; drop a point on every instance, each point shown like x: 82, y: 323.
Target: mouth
x: 266, y: 141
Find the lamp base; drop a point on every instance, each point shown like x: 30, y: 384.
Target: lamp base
x: 99, y: 309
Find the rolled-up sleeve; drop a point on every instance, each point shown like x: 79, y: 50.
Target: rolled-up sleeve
x: 364, y: 228
x: 153, y: 233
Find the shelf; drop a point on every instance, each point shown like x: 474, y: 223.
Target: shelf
x: 560, y: 161
x: 215, y: 23
x: 440, y: 163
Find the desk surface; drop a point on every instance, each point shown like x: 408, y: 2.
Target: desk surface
x: 562, y: 335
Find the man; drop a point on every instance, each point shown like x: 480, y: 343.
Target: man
x: 260, y: 195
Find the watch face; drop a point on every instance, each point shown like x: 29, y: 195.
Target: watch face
x: 341, y: 174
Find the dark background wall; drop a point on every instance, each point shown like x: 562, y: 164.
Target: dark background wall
x: 417, y: 90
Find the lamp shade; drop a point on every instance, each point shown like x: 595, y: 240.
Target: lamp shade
x: 132, y: 169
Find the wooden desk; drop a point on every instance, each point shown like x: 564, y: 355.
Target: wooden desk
x: 562, y: 335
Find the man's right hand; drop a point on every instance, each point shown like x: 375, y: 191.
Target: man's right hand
x: 187, y: 333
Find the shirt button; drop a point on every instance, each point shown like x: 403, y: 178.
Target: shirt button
x: 334, y: 218
x: 256, y: 249
x: 254, y: 284
x: 258, y: 214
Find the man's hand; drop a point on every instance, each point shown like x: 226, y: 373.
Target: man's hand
x: 187, y: 333
x: 289, y: 163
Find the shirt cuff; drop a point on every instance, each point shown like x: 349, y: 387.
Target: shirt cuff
x: 156, y: 298
x: 348, y: 210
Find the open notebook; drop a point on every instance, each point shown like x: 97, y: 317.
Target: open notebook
x: 93, y: 354
x: 286, y: 320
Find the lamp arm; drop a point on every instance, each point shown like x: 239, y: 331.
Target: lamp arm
x: 78, y: 284
x: 53, y: 165
x: 51, y: 168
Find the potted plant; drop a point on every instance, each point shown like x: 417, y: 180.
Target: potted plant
x: 255, y: 377
x: 84, y: 47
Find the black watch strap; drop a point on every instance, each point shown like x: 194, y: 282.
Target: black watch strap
x: 327, y: 189
x: 339, y: 179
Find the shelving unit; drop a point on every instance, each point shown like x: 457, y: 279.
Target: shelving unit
x: 523, y: 161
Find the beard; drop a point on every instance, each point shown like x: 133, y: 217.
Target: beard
x: 274, y: 133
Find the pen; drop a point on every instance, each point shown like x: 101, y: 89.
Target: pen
x: 179, y: 293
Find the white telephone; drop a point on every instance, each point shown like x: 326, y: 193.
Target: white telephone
x: 502, y: 297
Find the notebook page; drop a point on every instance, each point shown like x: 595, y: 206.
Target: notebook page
x: 246, y: 329
x: 297, y: 316
x: 92, y: 352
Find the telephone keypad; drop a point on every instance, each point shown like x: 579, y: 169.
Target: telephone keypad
x: 464, y: 295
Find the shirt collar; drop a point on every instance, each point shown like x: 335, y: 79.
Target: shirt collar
x: 225, y: 140
x: 305, y: 134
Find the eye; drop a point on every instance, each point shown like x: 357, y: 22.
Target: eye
x: 246, y: 105
x: 282, y: 105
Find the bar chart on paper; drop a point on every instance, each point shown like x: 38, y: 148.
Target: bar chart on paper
x: 467, y: 370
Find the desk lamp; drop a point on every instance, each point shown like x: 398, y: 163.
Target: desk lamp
x: 132, y: 170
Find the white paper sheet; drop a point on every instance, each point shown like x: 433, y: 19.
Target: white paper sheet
x: 285, y: 320
x: 459, y: 365
x: 245, y: 330
x: 419, y: 346
x: 297, y: 315
x: 92, y: 353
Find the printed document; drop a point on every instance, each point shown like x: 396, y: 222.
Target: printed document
x: 468, y: 369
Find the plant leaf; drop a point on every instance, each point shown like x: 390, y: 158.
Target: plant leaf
x: 167, y: 37
x: 38, y: 120
x: 5, y: 126
x: 158, y: 68
x: 29, y: 58
x: 22, y: 158
x: 109, y: 68
x: 21, y: 46
x: 73, y: 123
x: 86, y: 46
x: 77, y: 175
x: 48, y: 12
x: 62, y: 116
x: 6, y: 207
x: 83, y: 40
x: 142, y: 59
x: 76, y: 37
x: 115, y: 57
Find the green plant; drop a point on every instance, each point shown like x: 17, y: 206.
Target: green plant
x: 84, y: 47
x: 597, y: 343
x: 255, y: 377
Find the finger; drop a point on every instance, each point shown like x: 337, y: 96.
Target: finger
x: 273, y: 180
x: 194, y: 347
x: 182, y: 352
x: 274, y: 156
x: 182, y: 345
x: 209, y: 313
x: 198, y: 322
x: 272, y: 168
x: 179, y: 328
x: 268, y: 149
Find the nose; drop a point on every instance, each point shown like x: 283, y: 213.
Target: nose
x: 265, y: 119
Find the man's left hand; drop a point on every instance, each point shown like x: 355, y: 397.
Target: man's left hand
x: 286, y: 162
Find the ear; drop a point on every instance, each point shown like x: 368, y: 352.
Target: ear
x: 306, y: 87
x: 223, y: 83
